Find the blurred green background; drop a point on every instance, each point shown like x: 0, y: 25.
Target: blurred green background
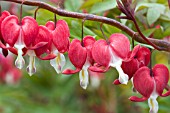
x: 48, y: 92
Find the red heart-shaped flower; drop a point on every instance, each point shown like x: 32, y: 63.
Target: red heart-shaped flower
x: 12, y: 30
x: 146, y: 84
x: 61, y: 35
x: 120, y: 45
x: 77, y: 55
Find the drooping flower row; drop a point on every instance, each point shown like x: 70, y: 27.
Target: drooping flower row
x: 26, y: 37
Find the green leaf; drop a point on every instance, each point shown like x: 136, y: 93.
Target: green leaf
x: 75, y: 30
x: 44, y: 13
x: 148, y: 32
x: 152, y: 15
x: 103, y: 6
x: 141, y: 5
x: 158, y: 33
x: 111, y: 29
x: 73, y: 5
x: 89, y: 3
x: 148, y: 46
x: 167, y: 32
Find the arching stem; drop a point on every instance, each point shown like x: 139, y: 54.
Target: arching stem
x: 55, y: 20
x: 35, y: 13
x: 150, y: 64
x: 133, y: 43
x: 21, y: 11
x: 103, y: 32
x: 82, y: 32
x: 141, y: 34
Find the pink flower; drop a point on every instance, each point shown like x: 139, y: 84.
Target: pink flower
x: 150, y: 84
x: 80, y: 56
x: 60, y: 43
x: 40, y: 46
x: 4, y: 14
x: 19, y: 34
x: 111, y: 53
x: 140, y: 56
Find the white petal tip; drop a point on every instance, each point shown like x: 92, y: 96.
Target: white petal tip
x: 153, y: 104
x: 31, y: 71
x: 83, y: 85
x: 58, y: 63
x: 19, y: 63
x: 123, y: 79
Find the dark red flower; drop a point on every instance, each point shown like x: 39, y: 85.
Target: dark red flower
x: 138, y: 57
x: 150, y: 84
x: 80, y: 56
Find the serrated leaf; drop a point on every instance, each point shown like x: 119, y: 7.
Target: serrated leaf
x: 152, y: 15
x: 103, y: 6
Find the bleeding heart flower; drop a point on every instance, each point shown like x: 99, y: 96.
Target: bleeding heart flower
x: 139, y: 56
x: 60, y: 43
x: 150, y: 84
x: 111, y: 53
x: 19, y: 34
x: 40, y: 46
x: 80, y: 56
x: 4, y: 14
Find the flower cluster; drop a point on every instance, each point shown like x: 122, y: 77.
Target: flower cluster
x: 50, y: 42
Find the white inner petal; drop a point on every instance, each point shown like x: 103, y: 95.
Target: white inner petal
x: 58, y: 62
x: 20, y: 62
x: 19, y: 45
x: 117, y: 62
x: 84, y: 75
x: 31, y: 69
x: 152, y: 102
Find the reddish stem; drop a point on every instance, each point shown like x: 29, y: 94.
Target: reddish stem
x: 103, y: 32
x: 55, y: 20
x: 141, y: 34
x: 82, y: 31
x: 21, y: 11
x: 35, y: 13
